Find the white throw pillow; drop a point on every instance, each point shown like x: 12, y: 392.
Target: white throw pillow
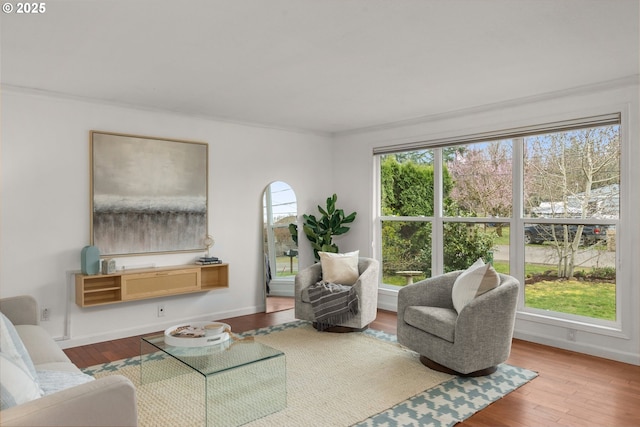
x: 16, y: 384
x: 473, y: 282
x: 340, y: 268
x: 13, y: 349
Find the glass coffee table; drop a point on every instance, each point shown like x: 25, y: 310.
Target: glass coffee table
x: 239, y: 380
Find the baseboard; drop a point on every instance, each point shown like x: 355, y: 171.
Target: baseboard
x: 578, y: 347
x: 388, y: 299
x: 281, y: 289
x: 69, y: 342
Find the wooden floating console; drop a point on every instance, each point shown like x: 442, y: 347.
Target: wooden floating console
x: 148, y: 283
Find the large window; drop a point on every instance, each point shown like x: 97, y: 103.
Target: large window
x: 407, y: 203
x: 571, y: 202
x: 541, y: 203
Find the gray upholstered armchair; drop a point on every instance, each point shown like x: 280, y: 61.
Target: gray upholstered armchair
x: 366, y: 287
x: 470, y: 343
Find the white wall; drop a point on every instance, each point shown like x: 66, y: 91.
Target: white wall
x: 352, y: 158
x: 44, y: 208
x: 44, y: 204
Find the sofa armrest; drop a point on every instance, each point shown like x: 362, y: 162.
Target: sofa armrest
x: 108, y: 401
x: 21, y: 310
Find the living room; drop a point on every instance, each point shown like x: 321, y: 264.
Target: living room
x: 81, y: 67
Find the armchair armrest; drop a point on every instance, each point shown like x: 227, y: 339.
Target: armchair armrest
x: 367, y: 284
x: 489, y: 314
x: 21, y: 310
x: 307, y: 277
x: 108, y: 401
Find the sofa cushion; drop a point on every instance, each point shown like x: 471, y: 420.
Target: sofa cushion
x: 340, y: 268
x: 473, y: 282
x: 437, y: 321
x: 16, y: 384
x: 12, y: 346
x: 53, y: 381
x: 42, y: 349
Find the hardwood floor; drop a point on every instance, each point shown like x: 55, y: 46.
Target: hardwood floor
x: 572, y: 389
x: 279, y: 303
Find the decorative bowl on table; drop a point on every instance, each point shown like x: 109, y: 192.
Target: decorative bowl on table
x: 197, y: 334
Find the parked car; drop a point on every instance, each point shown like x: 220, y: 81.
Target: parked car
x: 540, y: 233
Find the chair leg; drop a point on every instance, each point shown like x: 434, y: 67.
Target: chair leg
x: 438, y: 367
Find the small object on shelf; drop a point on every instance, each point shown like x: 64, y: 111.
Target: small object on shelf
x: 108, y: 266
x: 197, y: 334
x: 207, y: 260
x: 90, y: 260
x: 208, y: 242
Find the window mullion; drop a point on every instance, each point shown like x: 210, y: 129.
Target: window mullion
x: 437, y: 238
x: 516, y: 238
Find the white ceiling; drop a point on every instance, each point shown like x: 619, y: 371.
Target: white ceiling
x: 325, y: 66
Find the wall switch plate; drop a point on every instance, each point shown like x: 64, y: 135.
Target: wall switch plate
x: 44, y: 314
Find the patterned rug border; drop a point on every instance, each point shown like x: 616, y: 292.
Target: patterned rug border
x: 446, y: 404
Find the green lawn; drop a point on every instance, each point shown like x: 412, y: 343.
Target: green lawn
x: 284, y: 266
x: 591, y: 299
x: 504, y: 239
x: 400, y: 280
x: 583, y: 298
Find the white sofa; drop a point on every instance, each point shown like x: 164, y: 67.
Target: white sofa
x: 108, y: 401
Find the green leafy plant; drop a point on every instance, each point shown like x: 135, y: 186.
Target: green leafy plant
x: 320, y: 231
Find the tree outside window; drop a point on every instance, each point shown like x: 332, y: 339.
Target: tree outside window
x: 570, y: 198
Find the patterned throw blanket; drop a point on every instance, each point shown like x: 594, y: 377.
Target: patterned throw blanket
x: 332, y: 303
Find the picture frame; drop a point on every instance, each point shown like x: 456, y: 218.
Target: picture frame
x: 149, y: 195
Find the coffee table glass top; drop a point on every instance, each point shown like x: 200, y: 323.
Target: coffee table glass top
x: 213, y: 359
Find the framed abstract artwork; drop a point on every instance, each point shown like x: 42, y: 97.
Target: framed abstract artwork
x: 148, y: 195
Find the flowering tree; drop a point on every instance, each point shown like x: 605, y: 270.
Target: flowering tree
x: 482, y: 177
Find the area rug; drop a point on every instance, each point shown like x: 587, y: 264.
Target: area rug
x: 353, y: 379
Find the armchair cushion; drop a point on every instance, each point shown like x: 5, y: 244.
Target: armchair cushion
x: 339, y: 268
x: 437, y: 321
x: 473, y: 282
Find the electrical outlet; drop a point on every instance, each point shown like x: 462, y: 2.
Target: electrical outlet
x: 160, y: 310
x: 44, y: 314
x: 571, y: 334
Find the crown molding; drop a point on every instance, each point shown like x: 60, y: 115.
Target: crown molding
x: 23, y: 90
x: 633, y: 80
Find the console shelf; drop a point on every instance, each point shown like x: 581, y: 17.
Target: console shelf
x: 100, y: 289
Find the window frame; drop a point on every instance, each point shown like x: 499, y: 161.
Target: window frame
x: 518, y: 220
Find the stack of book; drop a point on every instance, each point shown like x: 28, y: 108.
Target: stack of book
x: 206, y: 260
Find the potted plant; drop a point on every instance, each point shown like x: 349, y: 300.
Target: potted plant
x: 320, y: 231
